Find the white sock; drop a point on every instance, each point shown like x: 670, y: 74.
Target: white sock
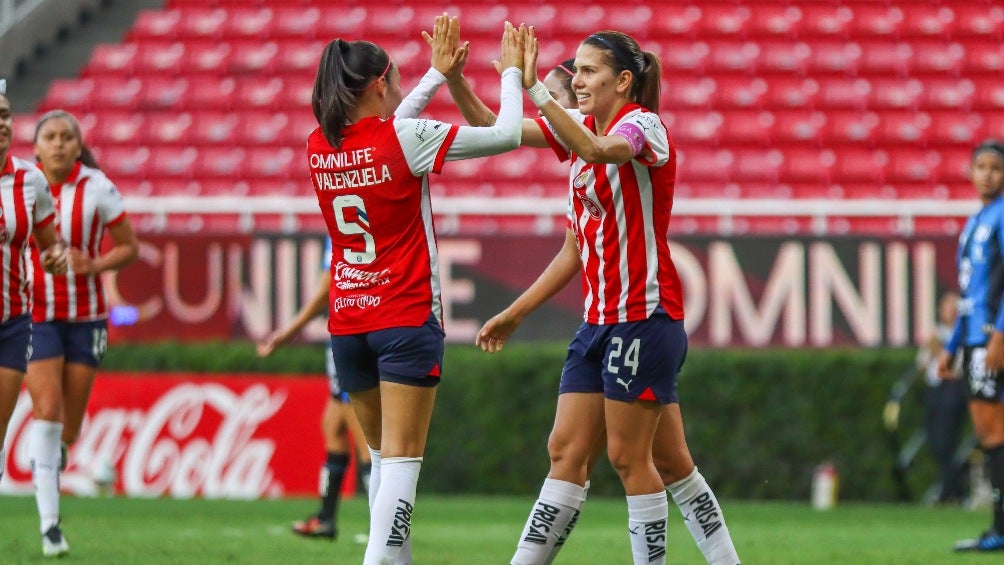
x: 43, y: 449
x: 704, y: 519
x: 647, y: 514
x: 556, y: 508
x: 374, y: 475
x: 568, y: 529
x: 390, y: 516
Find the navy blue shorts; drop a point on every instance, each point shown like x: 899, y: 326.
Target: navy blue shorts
x: 334, y: 383
x: 405, y: 355
x: 627, y: 361
x: 15, y: 343
x: 76, y: 342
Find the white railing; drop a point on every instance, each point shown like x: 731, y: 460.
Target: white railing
x: 819, y: 210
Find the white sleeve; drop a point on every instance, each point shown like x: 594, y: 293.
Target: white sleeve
x: 427, y: 144
x: 111, y: 206
x: 44, y: 206
x: 505, y: 135
x: 646, y: 132
x: 419, y: 97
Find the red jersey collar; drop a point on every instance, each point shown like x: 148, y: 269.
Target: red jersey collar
x: 629, y: 107
x: 8, y: 166
x: 70, y: 179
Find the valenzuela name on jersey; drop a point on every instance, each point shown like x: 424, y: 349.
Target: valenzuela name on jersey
x: 358, y: 177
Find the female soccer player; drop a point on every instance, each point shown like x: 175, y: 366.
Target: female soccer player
x: 369, y: 162
x: 70, y: 311
x: 979, y: 328
x: 337, y: 423
x: 27, y: 210
x: 620, y: 375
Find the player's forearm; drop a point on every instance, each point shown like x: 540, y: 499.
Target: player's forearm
x: 474, y: 110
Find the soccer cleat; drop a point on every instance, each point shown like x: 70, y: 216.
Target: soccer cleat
x: 989, y: 540
x: 53, y: 542
x: 314, y: 527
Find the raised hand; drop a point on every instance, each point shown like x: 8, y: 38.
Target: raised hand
x: 448, y: 55
x: 512, y: 48
x: 530, y: 51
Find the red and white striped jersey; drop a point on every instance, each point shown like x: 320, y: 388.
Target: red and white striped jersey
x: 620, y: 217
x: 374, y: 194
x: 25, y: 203
x: 86, y: 204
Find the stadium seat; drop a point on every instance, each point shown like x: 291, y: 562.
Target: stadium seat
x: 110, y: 59
x: 171, y: 161
x: 160, y: 58
x: 911, y: 165
x: 839, y: 92
x: 690, y: 127
x: 739, y: 92
x: 936, y: 56
x: 116, y: 92
x: 747, y: 127
x: 163, y: 93
x: 678, y: 54
x: 783, y: 56
x: 301, y: 124
x: 903, y: 93
x: 875, y: 19
x: 953, y: 166
x: 703, y: 164
x: 261, y: 127
x: 853, y: 165
x: 299, y: 57
x: 155, y: 25
x: 902, y: 127
x: 675, y: 20
x: 927, y: 21
x: 988, y: 94
x: 253, y: 57
x: 215, y: 128
x: 791, y: 92
x: 772, y: 18
x: 793, y: 127
x: 73, y: 95
x: 169, y: 128
x: 274, y: 163
x: 294, y: 23
x: 948, y: 93
x: 687, y: 92
x: 128, y: 161
x: 725, y: 56
x: 634, y: 20
x: 220, y: 162
x: 201, y: 23
x: 823, y: 19
x: 342, y: 21
x: 801, y: 166
x: 724, y: 19
x: 884, y: 57
x: 210, y: 93
x: 761, y: 165
x: 206, y: 57
x: 948, y: 127
x: 833, y: 57
x: 982, y: 55
x: 978, y: 20
x: 23, y: 130
x: 117, y: 128
x: 249, y: 23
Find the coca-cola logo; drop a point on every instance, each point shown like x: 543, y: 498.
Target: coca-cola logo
x: 194, y: 439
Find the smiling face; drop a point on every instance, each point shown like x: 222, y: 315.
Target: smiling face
x: 987, y: 174
x: 598, y: 89
x: 57, y: 146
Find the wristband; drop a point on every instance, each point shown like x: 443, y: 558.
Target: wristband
x: 538, y: 94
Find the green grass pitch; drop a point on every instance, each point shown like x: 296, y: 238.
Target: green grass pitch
x: 475, y: 530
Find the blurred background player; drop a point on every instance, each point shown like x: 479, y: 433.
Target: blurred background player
x: 25, y: 196
x: 979, y: 328
x: 369, y: 162
x: 337, y: 423
x: 568, y: 448
x: 945, y: 406
x: 70, y: 311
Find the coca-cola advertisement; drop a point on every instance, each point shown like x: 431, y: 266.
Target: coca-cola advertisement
x: 187, y: 435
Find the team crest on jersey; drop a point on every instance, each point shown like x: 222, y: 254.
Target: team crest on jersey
x: 581, y: 179
x: 592, y: 208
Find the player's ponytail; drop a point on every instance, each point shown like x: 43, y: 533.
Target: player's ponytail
x: 624, y: 54
x: 346, y: 70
